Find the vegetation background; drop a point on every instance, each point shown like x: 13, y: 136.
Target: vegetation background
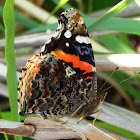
x: 114, y: 31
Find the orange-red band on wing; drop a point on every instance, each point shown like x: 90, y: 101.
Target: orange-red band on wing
x: 74, y: 60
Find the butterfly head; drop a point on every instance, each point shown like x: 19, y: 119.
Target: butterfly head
x: 72, y: 21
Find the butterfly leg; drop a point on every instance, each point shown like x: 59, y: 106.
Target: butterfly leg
x: 102, y: 99
x: 80, y: 119
x: 99, y: 112
x: 97, y: 116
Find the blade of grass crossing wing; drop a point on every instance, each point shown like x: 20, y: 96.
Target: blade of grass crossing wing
x: 8, y: 17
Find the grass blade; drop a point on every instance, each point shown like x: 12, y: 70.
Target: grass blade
x: 60, y: 4
x: 118, y: 130
x: 115, y: 45
x: 111, y: 13
x: 68, y: 6
x: 23, y: 20
x: 8, y: 17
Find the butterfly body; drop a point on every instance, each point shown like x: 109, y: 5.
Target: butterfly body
x: 61, y: 80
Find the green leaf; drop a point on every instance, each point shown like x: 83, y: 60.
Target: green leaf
x: 115, y: 45
x: 29, y: 23
x: 111, y: 13
x: 1, y: 28
x: 117, y: 24
x: 118, y: 130
x: 8, y: 17
x: 7, y: 116
x: 125, y: 39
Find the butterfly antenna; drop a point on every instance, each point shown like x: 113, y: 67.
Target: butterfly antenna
x: 119, y: 83
x: 108, y: 78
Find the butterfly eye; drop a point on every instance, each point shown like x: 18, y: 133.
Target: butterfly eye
x: 74, y: 23
x: 69, y: 27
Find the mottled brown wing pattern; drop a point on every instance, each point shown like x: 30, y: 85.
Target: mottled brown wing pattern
x: 49, y: 87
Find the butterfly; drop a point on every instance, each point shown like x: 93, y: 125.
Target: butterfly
x: 61, y: 80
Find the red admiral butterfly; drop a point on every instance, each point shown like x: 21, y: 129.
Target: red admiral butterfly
x: 61, y: 80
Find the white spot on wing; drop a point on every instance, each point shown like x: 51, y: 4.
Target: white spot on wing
x: 67, y: 44
x: 67, y: 34
x: 69, y: 26
x: 78, y: 39
x: 82, y: 39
